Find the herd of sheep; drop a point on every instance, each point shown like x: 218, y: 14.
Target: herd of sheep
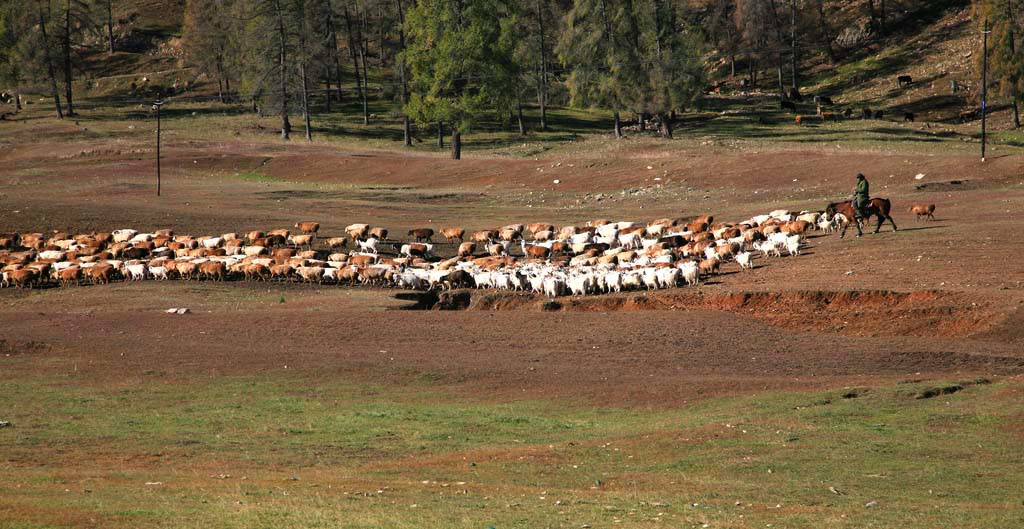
x: 599, y: 257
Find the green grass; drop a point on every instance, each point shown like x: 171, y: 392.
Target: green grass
x: 291, y: 452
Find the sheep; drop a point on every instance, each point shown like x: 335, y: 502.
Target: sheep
x: 422, y: 234
x: 793, y: 244
x: 369, y: 245
x: 745, y: 260
x: 453, y: 234
x: 309, y: 228
x: 357, y: 231
x: 466, y: 249
x: 923, y: 210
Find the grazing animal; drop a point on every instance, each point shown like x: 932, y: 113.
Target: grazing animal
x: 823, y: 100
x: 745, y: 260
x: 879, y: 114
x: 357, y: 231
x: 337, y: 242
x: 866, y: 113
x: 379, y: 233
x: 878, y: 207
x: 908, y: 116
x: 787, y: 105
x: 794, y: 94
x: 923, y: 210
x: 308, y: 227
x: 848, y: 113
x: 453, y: 234
x: 466, y: 249
x: 904, y: 80
x: 422, y: 234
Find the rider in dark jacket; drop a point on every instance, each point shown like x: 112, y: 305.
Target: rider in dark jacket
x: 861, y: 196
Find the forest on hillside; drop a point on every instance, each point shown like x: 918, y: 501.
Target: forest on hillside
x: 451, y: 63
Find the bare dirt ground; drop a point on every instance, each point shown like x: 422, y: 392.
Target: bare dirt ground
x: 935, y: 298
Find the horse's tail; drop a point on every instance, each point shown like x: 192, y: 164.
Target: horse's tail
x: 884, y: 206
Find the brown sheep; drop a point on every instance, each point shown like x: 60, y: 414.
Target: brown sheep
x: 281, y: 271
x: 509, y: 234
x: 466, y: 249
x: 308, y: 227
x: 379, y: 233
x: 923, y: 210
x: 69, y: 275
x: 484, y: 236
x: 538, y: 252
x: 99, y: 274
x: 422, y: 234
x: 538, y: 227
x: 256, y: 271
x: 186, y: 270
x: 336, y: 242
x: 453, y: 234
x: 697, y: 226
x: 357, y: 231
x: 23, y: 277
x: 709, y: 266
x: 214, y: 270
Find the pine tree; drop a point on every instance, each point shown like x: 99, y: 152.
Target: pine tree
x: 1006, y: 60
x: 460, y: 63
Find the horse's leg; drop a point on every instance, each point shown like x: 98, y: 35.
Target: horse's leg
x: 894, y: 228
x: 881, y: 219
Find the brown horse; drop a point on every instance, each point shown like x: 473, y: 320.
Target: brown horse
x: 878, y: 207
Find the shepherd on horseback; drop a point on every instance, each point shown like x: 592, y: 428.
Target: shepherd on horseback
x: 861, y: 196
x: 862, y: 208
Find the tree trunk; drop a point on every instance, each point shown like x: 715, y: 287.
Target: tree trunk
x: 220, y: 89
x: 826, y: 33
x: 17, y: 100
x: 542, y: 81
x: 407, y: 136
x: 640, y: 121
x: 305, y: 100
x: 282, y: 65
x: 362, y: 58
x: 665, y: 123
x: 68, y: 74
x: 456, y: 144
x: 522, y: 124
x: 352, y: 52
x: 335, y: 52
x: 327, y: 92
x: 110, y: 25
x: 440, y: 135
x: 792, y: 42
x: 618, y: 126
x: 782, y: 85
x: 381, y: 58
x: 49, y: 65
x: 881, y: 16
x: 1012, y: 38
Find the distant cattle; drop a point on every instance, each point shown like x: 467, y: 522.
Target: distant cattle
x: 794, y: 94
x: 908, y: 116
x: 787, y: 105
x: 866, y: 113
x: 904, y: 80
x: 879, y: 114
x: 823, y: 100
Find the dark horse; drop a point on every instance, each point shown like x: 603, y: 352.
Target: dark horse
x: 878, y: 207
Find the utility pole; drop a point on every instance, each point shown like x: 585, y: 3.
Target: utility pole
x: 984, y: 84
x: 156, y: 106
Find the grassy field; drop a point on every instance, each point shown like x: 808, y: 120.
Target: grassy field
x: 277, y: 452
